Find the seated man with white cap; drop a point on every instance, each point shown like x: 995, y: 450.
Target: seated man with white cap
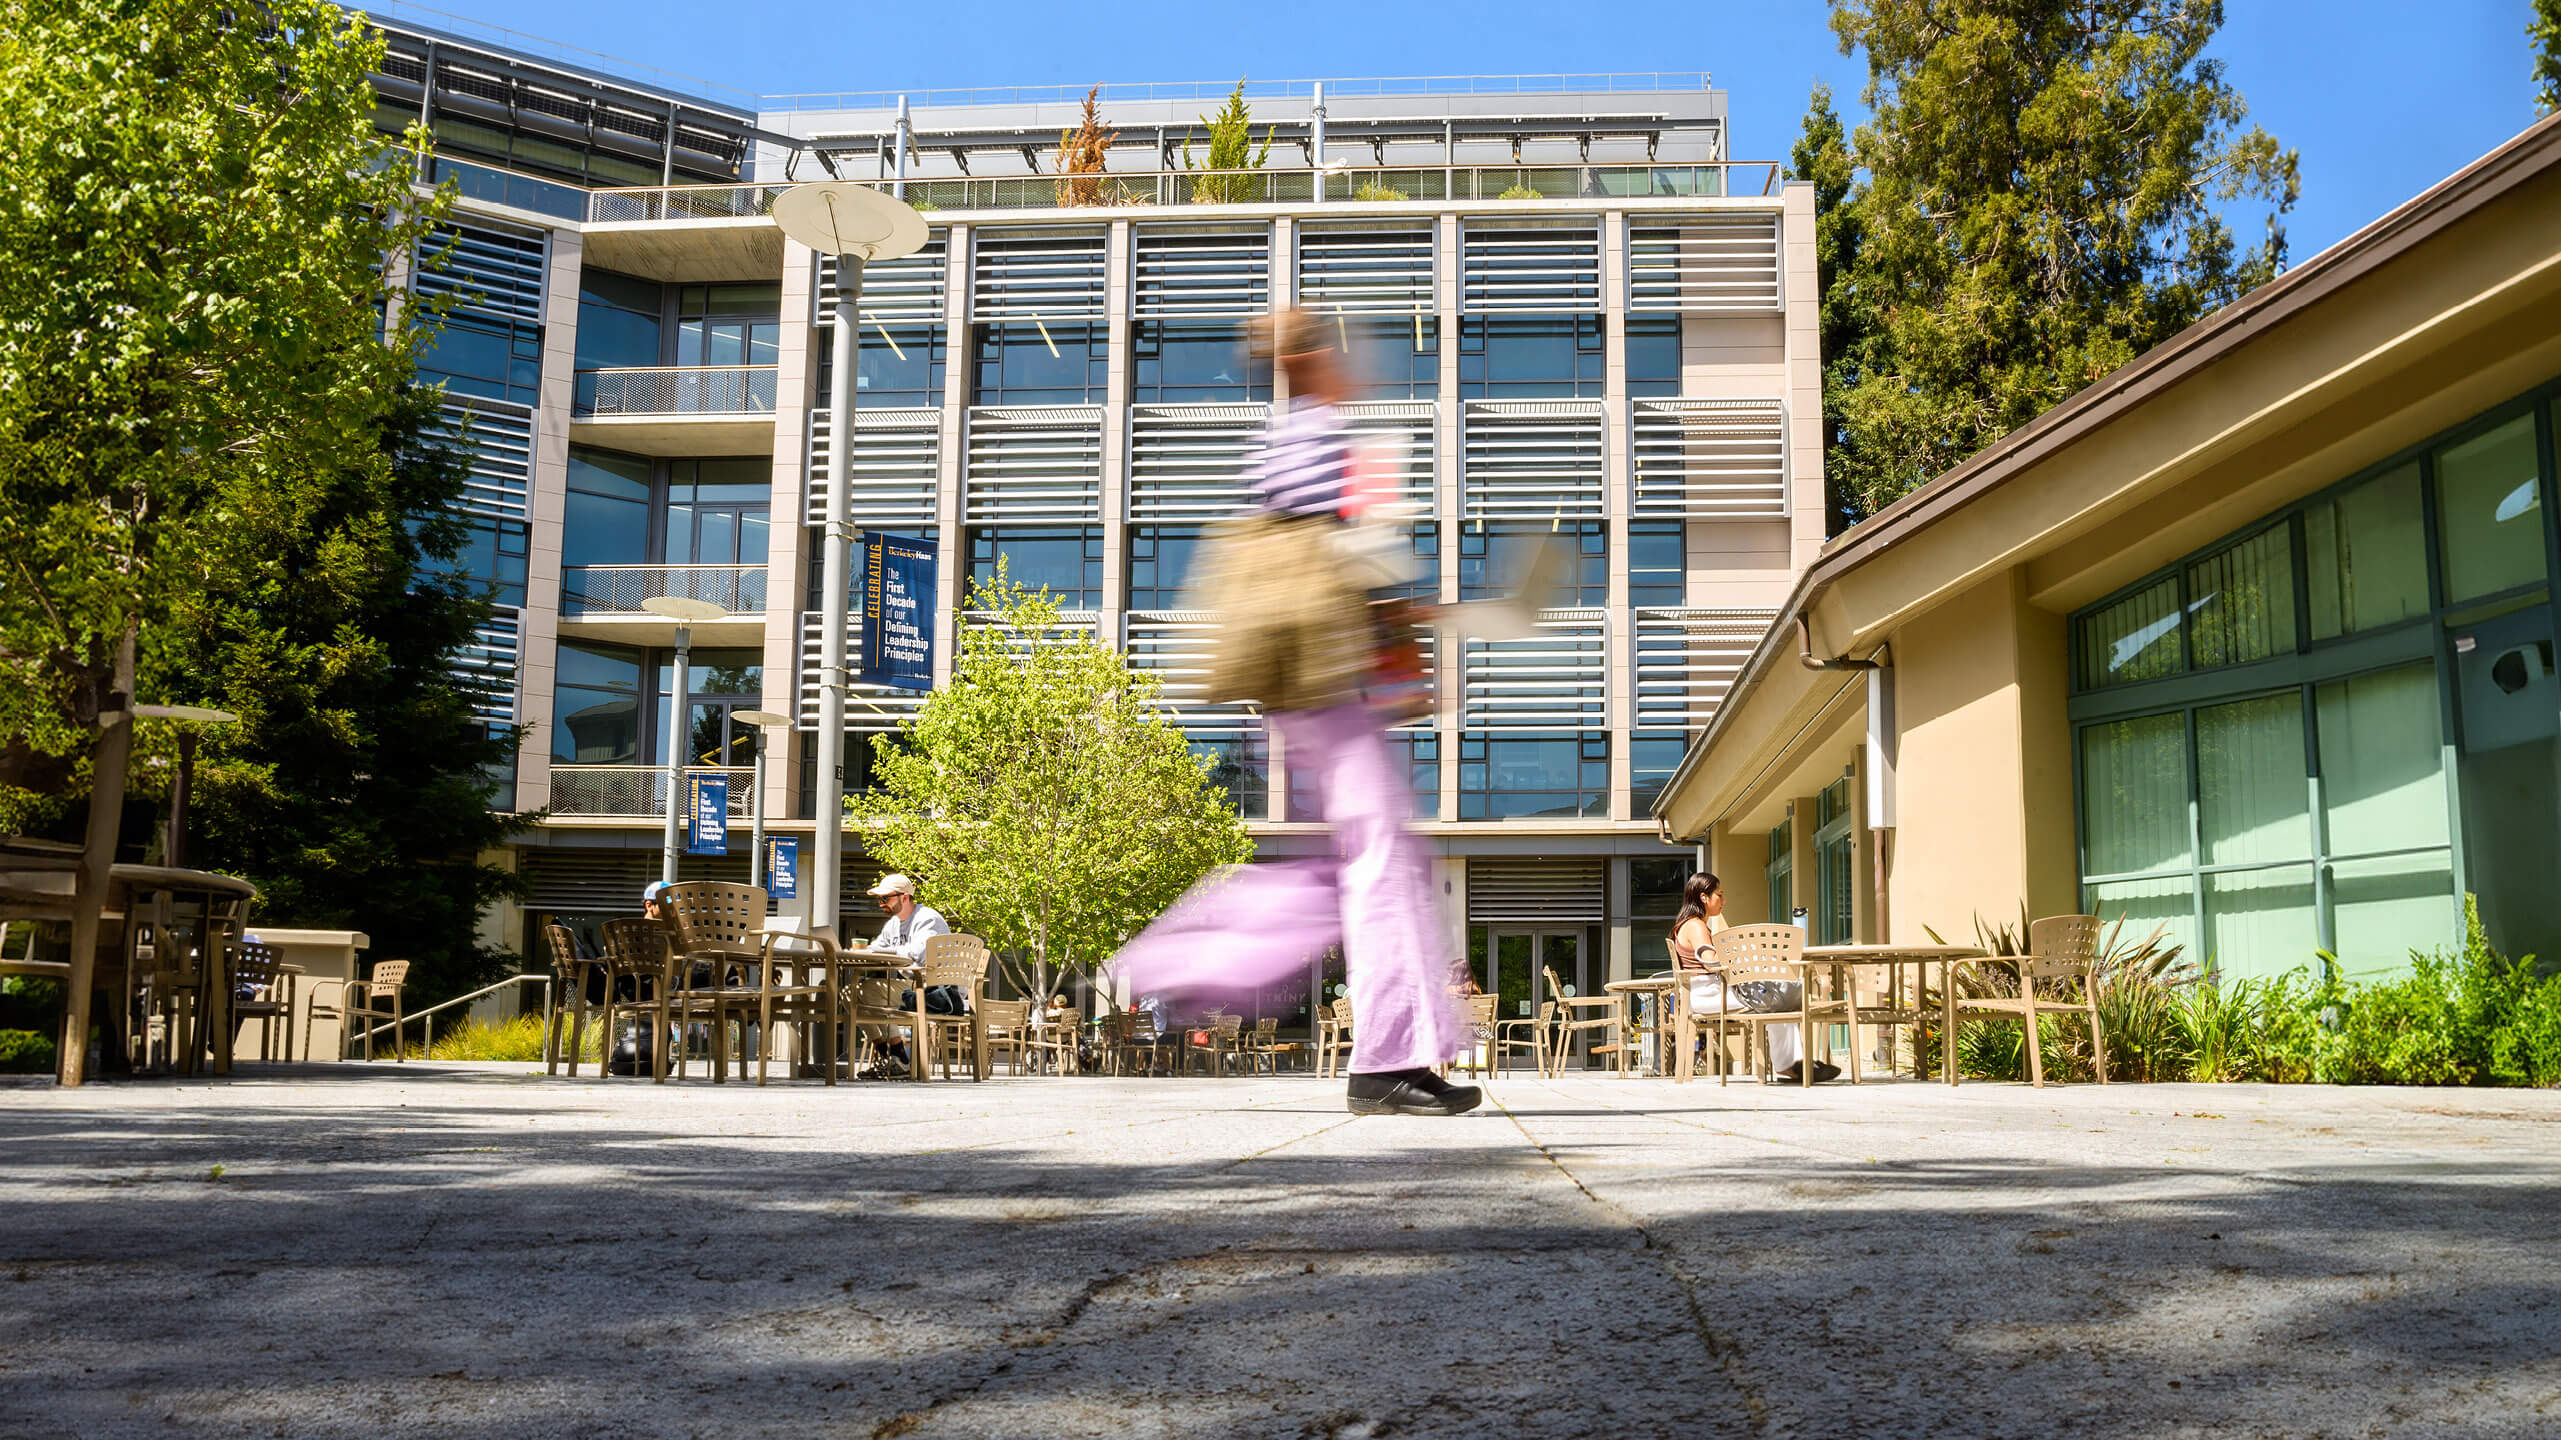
x: 910, y: 925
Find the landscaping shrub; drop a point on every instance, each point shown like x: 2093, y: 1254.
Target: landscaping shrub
x: 517, y: 1039
x: 1517, y: 192
x: 2473, y: 1017
x: 1372, y: 190
x: 25, y: 1052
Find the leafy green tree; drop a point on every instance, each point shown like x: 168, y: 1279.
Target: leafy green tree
x: 356, y: 789
x: 1042, y: 799
x: 2045, y: 187
x: 1231, y: 148
x: 198, y: 209
x: 2544, y: 29
x: 1821, y: 157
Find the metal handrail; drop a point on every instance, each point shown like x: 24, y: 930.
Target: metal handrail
x: 1599, y: 181
x: 1627, y: 81
x: 428, y: 1034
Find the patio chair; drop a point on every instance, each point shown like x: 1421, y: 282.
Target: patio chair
x: 1684, y: 1026
x: 262, y: 990
x: 639, y: 951
x: 1051, y: 1040
x: 1135, y: 1040
x: 1586, y: 1014
x: 2063, y: 953
x: 1478, y: 1031
x: 1261, y: 1046
x: 1333, y: 1036
x: 959, y: 961
x: 1748, y: 954
x: 1525, y: 1032
x: 568, y: 1000
x: 731, y: 967
x: 1220, y: 1038
x: 361, y: 1003
x: 1006, y: 1026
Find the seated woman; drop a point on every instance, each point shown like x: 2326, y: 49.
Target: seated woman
x: 1694, y: 949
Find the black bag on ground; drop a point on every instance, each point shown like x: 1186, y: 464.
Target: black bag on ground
x: 633, y: 1052
x: 939, y: 1000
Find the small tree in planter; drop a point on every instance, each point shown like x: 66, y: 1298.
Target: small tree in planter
x: 1231, y: 151
x: 1082, y: 152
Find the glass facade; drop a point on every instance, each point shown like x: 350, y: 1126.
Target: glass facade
x: 1491, y: 557
x: 1531, y: 357
x: 1035, y: 363
x: 1516, y: 776
x: 1178, y: 362
x: 2322, y: 732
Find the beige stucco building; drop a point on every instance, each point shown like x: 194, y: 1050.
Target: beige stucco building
x: 2253, y: 639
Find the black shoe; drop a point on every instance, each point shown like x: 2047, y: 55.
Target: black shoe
x: 1410, y: 1092
x: 1795, y: 1074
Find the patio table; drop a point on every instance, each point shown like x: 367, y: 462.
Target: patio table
x: 1647, y: 996
x: 1892, y: 958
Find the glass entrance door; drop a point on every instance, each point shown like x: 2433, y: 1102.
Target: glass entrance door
x: 1512, y: 966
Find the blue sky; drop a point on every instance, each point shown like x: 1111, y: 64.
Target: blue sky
x: 2382, y: 97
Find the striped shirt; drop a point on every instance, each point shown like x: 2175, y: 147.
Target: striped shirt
x: 1306, y: 461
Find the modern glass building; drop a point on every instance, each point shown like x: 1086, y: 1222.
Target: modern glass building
x: 1584, y: 320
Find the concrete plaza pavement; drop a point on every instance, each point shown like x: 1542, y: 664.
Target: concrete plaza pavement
x: 461, y: 1250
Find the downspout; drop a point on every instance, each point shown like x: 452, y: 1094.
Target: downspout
x: 1316, y: 119
x: 905, y: 138
x: 1882, y: 744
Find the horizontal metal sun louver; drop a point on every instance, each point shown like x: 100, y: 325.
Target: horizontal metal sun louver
x: 1033, y: 463
x: 1415, y: 428
x: 566, y: 881
x: 1074, y: 627
x: 1512, y: 264
x: 1381, y: 269
x: 909, y: 288
x: 1191, y: 462
x: 1038, y: 274
x: 1532, y: 459
x: 490, y: 271
x: 1709, y: 458
x: 1542, y: 891
x: 488, y: 663
x: 1686, y: 661
x: 892, y: 479
x: 1554, y: 680
x: 1705, y: 263
x: 867, y: 707
x: 1175, y: 646
x: 1201, y: 270
x: 499, y: 438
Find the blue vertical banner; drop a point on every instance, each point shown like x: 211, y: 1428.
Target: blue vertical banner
x: 710, y: 795
x: 782, y: 867
x: 898, y: 612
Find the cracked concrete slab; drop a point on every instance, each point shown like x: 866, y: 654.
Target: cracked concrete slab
x: 454, y: 1250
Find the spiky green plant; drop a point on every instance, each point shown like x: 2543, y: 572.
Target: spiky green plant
x: 1231, y: 152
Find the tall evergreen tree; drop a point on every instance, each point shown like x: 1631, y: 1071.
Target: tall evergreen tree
x: 2544, y: 29
x: 2045, y: 186
x: 1821, y: 157
x: 355, y: 790
x: 1231, y: 149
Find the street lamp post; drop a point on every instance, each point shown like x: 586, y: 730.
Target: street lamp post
x: 686, y: 613
x: 762, y: 720
x: 857, y: 224
x: 174, y: 849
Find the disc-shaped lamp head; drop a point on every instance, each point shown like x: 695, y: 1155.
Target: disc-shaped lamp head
x: 678, y: 607
x: 760, y: 717
x: 843, y: 217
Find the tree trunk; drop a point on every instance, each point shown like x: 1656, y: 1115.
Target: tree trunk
x: 108, y: 755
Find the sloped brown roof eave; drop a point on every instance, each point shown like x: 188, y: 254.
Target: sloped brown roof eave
x: 2414, y: 222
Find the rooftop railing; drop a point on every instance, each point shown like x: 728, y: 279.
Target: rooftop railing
x: 1626, y: 81
x: 1345, y: 184
x: 676, y: 390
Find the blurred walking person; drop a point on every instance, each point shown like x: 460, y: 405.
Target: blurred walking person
x: 1297, y: 634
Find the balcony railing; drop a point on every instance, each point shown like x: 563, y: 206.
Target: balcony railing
x: 682, y: 202
x: 1617, y: 181
x: 682, y: 390
x: 619, y: 589
x: 635, y: 790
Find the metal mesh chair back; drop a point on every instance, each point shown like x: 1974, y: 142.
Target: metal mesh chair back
x: 2061, y: 946
x: 956, y: 960
x: 636, y: 946
x: 389, y: 974
x: 715, y: 917
x: 1761, y: 952
x: 564, y: 947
